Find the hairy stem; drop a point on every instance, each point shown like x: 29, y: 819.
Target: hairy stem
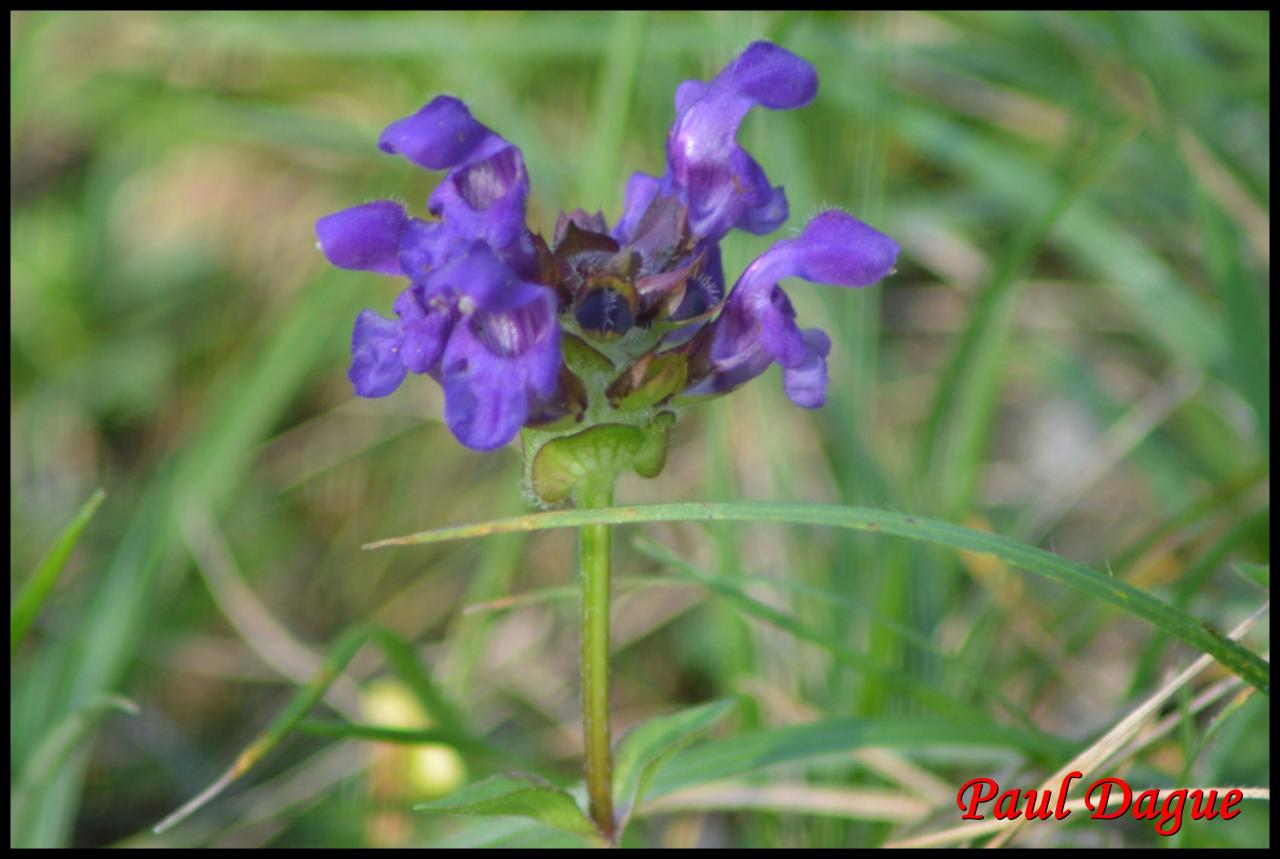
x: 595, y: 546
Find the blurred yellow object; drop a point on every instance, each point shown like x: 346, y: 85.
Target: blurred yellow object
x: 435, y: 770
x: 407, y: 772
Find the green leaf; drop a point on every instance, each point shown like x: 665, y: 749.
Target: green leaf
x: 646, y: 747
x: 516, y: 795
x: 40, y: 585
x: 1233, y: 656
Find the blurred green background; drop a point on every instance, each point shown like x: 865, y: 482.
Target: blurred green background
x: 1073, y: 353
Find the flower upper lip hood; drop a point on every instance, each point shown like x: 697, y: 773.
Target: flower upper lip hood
x: 490, y: 308
x: 720, y: 183
x: 485, y: 191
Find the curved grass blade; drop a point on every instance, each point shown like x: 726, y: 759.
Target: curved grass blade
x: 516, y: 795
x: 49, y: 755
x: 404, y: 662
x: 399, y: 656
x: 966, y: 394
x: 243, y: 403
x: 646, y: 747
x: 1258, y: 574
x: 465, y: 743
x: 1138, y: 603
x: 383, y: 734
x: 615, y: 85
x: 40, y: 585
x: 721, y: 759
x: 848, y: 657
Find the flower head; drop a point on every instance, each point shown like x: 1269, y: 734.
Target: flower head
x: 599, y: 327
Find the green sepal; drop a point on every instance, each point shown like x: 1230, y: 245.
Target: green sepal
x: 582, y: 358
x: 649, y: 381
x: 568, y: 465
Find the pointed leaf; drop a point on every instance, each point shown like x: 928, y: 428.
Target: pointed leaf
x: 645, y: 748
x: 40, y: 585
x: 516, y: 795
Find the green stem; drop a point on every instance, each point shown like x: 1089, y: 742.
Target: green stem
x: 595, y: 558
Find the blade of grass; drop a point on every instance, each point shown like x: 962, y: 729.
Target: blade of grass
x: 400, y: 656
x: 601, y: 180
x: 1259, y: 574
x: 855, y: 803
x: 1030, y: 559
x: 731, y: 588
x: 1105, y: 747
x: 257, y: 626
x: 1192, y: 581
x: 409, y: 737
x: 858, y: 661
x: 306, y: 698
x: 732, y: 756
x: 47, y: 758
x: 243, y: 402
x: 37, y: 589
x: 966, y: 393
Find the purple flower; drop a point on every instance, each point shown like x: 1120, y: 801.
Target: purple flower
x: 723, y: 186
x: 468, y: 318
x: 607, y: 324
x: 757, y: 326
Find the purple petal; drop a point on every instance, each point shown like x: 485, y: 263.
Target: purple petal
x: 426, y: 320
x: 687, y: 93
x: 494, y: 367
x: 441, y: 135
x: 744, y: 367
x: 757, y: 324
x: 364, y: 238
x: 768, y: 207
x: 722, y: 185
x: 834, y: 248
x: 806, y: 383
x: 486, y: 281
x: 426, y: 246
x: 581, y: 219
x: 770, y: 76
x: 485, y: 199
x: 641, y: 189
x: 376, y: 368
